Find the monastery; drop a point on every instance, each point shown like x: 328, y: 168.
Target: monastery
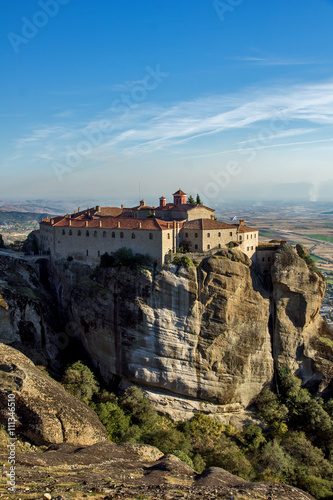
x: 158, y: 231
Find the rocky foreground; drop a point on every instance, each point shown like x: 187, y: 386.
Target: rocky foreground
x: 130, y: 471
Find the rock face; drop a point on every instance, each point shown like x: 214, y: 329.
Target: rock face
x: 297, y: 297
x: 202, y: 334
x: 27, y: 309
x: 204, y: 339
x: 45, y: 412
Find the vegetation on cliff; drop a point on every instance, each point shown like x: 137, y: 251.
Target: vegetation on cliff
x: 293, y: 444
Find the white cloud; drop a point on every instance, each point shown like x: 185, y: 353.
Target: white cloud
x: 293, y: 110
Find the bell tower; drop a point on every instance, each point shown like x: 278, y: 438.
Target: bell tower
x: 179, y: 198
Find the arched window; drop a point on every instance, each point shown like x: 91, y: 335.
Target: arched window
x: 104, y: 234
x: 63, y: 231
x: 70, y: 232
x: 150, y: 236
x: 121, y: 235
x: 208, y: 247
x: 95, y: 234
x: 168, y: 236
x: 113, y: 235
x: 186, y: 235
x: 219, y: 245
x: 79, y: 233
x: 230, y: 234
x: 219, y: 237
x: 87, y: 233
x: 133, y: 236
x: 196, y: 235
x: 208, y: 235
x: 87, y: 253
x: 196, y: 247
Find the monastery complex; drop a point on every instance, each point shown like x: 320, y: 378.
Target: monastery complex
x: 158, y: 231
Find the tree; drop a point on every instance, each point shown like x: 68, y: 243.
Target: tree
x: 198, y: 200
x: 114, y: 419
x: 2, y: 243
x: 191, y: 200
x: 80, y: 381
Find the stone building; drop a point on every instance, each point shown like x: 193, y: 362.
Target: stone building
x: 156, y: 231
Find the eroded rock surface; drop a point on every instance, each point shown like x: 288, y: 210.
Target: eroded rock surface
x: 106, y: 471
x: 45, y: 412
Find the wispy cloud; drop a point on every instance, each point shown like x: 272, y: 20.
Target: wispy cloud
x: 145, y: 128
x: 277, y: 61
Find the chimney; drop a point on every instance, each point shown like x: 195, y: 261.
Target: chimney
x: 118, y: 224
x: 52, y: 221
x: 142, y: 203
x: 100, y: 223
x: 69, y: 222
x: 122, y: 206
x: 87, y: 223
x: 140, y: 225
x: 98, y: 208
x: 79, y: 209
x: 241, y: 222
x: 162, y: 202
x: 75, y: 211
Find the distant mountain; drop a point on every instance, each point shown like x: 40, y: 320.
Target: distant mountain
x: 328, y: 213
x: 13, y: 217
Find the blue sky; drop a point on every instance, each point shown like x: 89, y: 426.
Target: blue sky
x: 229, y: 98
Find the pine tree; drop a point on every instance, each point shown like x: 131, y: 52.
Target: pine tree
x: 2, y: 243
x: 198, y: 201
x: 191, y: 200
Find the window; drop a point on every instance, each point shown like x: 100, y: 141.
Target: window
x: 113, y: 234
x: 263, y: 259
x: 95, y: 234
x: 87, y: 233
x: 208, y: 235
x: 247, y: 236
x: 79, y: 233
x: 99, y: 253
x: 121, y: 235
x: 208, y: 247
x: 251, y: 236
x: 196, y: 235
x: 87, y: 253
x: 150, y: 236
x: 230, y: 234
x: 104, y: 234
x: 186, y: 235
x: 251, y: 248
x: 63, y: 231
x: 70, y: 232
x: 219, y: 237
x: 196, y: 247
x: 219, y: 245
x: 133, y: 236
x: 247, y: 248
x: 168, y: 236
x: 269, y: 259
x: 240, y: 237
x: 255, y: 235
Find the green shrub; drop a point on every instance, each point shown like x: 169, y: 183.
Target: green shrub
x: 114, y: 420
x: 182, y: 261
x: 124, y: 257
x: 80, y: 381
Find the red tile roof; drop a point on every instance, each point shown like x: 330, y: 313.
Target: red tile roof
x: 180, y: 192
x: 205, y: 224
x: 109, y: 222
x: 185, y: 207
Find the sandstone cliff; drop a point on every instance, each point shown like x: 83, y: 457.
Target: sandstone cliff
x: 45, y: 412
x: 203, y: 339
